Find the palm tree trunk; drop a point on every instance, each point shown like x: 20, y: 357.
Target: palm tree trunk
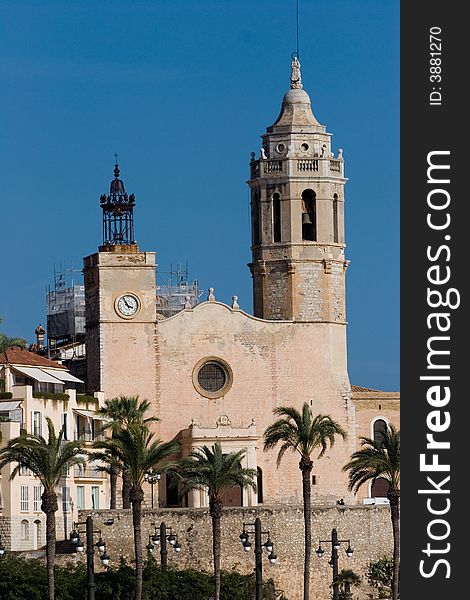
x: 394, y: 498
x: 126, y: 488
x: 306, y: 466
x: 113, y: 477
x: 137, y: 497
x: 49, y: 507
x: 215, y: 509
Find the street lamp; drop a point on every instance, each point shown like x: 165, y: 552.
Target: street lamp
x: 2, y: 548
x: 79, y: 547
x: 268, y: 545
x: 160, y: 539
x: 333, y: 562
x: 152, y: 477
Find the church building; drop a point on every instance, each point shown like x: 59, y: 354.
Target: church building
x: 212, y: 372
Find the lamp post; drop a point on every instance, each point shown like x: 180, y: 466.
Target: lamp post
x: 152, y: 477
x: 268, y: 545
x: 335, y: 545
x: 100, y: 545
x: 2, y: 548
x: 160, y: 539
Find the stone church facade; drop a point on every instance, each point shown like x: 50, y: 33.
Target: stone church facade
x: 212, y: 371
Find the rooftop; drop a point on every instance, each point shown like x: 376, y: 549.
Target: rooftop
x: 19, y: 356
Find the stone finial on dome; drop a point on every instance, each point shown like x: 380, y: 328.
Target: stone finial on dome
x: 211, y: 295
x: 295, y: 77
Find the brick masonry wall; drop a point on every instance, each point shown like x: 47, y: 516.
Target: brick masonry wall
x: 368, y: 528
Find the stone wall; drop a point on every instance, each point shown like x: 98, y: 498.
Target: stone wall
x: 368, y: 528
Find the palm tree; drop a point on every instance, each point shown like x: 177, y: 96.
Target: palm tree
x: 47, y: 460
x: 210, y: 470
x: 302, y: 432
x: 345, y: 579
x: 8, y: 342
x: 121, y: 412
x: 381, y: 458
x: 135, y: 448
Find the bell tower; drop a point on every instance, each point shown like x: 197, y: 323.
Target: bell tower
x: 120, y: 304
x: 297, y: 216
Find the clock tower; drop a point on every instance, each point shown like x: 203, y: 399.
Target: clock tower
x: 120, y: 304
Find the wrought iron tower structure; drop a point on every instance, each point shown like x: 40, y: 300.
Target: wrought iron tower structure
x: 118, y: 214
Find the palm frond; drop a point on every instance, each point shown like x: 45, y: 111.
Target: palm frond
x: 301, y: 432
x: 376, y: 458
x: 210, y: 470
x: 47, y: 460
x: 136, y: 450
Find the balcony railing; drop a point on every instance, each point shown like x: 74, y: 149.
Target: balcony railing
x: 335, y: 166
x: 307, y: 165
x: 88, y: 436
x: 88, y: 473
x: 273, y: 166
x: 322, y: 165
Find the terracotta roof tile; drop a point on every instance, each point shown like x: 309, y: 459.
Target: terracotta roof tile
x: 358, y: 388
x: 18, y: 356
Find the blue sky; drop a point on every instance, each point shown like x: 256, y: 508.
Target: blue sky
x: 182, y: 90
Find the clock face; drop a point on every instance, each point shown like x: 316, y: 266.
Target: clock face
x: 128, y: 305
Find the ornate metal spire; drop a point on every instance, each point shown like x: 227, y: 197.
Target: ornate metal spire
x: 295, y: 77
x: 118, y: 213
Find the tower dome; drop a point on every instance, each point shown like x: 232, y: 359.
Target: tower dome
x: 117, y: 185
x: 296, y: 109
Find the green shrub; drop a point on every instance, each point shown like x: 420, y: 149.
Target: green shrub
x: 379, y: 576
x: 51, y: 395
x: 86, y: 399
x: 25, y: 579
x: 6, y: 395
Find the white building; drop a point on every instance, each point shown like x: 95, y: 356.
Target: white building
x: 33, y: 388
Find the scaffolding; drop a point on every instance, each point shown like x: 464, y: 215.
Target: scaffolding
x: 174, y: 291
x: 65, y: 306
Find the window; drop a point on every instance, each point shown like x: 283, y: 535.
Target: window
x: 255, y: 208
x: 24, y: 498
x: 65, y: 425
x: 80, y: 497
x: 37, y: 423
x: 380, y: 428
x: 24, y: 529
x: 23, y: 470
x: 276, y: 218
x: 212, y: 377
x: 37, y: 493
x: 65, y: 499
x: 259, y: 484
x: 309, y: 216
x: 335, y: 219
x: 95, y: 497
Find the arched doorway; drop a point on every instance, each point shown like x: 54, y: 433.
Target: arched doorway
x: 379, y: 488
x: 36, y: 534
